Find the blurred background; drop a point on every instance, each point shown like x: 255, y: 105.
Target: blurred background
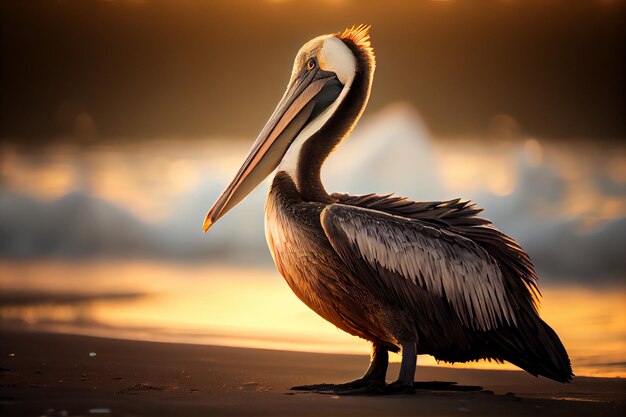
x: 122, y: 121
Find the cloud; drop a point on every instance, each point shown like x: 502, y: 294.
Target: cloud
x: 569, y: 233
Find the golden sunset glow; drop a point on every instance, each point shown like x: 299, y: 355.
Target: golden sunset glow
x: 188, y: 187
x: 255, y: 308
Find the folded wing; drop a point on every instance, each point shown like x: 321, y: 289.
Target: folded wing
x: 450, y: 267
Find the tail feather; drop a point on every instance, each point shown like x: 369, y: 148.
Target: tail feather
x: 536, y: 348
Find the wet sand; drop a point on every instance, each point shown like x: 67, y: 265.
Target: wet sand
x: 59, y: 375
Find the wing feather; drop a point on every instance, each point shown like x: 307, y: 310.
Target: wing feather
x: 436, y: 260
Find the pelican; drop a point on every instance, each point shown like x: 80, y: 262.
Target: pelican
x: 417, y: 277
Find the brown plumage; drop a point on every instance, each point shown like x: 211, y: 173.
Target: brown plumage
x: 421, y: 277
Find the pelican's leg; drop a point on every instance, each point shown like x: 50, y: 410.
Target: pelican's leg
x: 405, y: 383
x: 374, y: 378
x: 377, y: 371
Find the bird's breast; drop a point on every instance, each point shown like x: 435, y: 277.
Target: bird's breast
x: 298, y: 250
x: 303, y: 254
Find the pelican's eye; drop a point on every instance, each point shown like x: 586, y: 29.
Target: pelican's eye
x: 311, y: 64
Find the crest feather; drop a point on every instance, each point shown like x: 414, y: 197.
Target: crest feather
x: 360, y: 35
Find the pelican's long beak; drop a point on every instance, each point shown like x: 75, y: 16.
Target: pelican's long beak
x: 309, y: 93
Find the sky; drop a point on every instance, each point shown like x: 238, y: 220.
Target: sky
x: 143, y: 69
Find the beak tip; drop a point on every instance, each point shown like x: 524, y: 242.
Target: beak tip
x: 207, y: 224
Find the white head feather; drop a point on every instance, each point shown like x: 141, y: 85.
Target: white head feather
x: 333, y: 55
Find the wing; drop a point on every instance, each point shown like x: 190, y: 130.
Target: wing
x: 461, y: 217
x: 449, y: 266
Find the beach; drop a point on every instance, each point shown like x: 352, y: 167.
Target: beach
x: 67, y: 375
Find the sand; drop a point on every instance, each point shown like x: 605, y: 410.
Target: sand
x: 67, y: 375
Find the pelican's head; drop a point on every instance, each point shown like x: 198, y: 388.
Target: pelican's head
x: 323, y: 73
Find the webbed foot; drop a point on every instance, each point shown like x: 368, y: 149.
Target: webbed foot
x: 359, y: 387
x: 353, y: 385
x: 398, y: 387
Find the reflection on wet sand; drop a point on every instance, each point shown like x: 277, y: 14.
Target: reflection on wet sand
x: 230, y: 306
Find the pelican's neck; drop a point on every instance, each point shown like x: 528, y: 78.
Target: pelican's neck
x: 307, y: 153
